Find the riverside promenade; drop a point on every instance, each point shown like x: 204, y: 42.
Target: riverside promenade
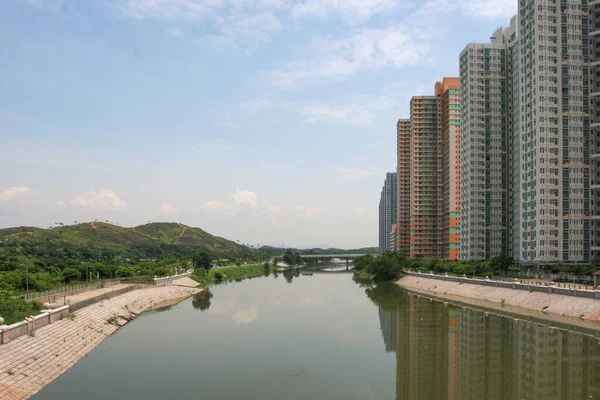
x: 539, y: 301
x: 30, y: 362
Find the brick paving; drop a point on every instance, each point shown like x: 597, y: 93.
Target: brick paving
x: 27, y: 364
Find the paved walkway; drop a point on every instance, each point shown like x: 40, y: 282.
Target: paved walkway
x: 27, y: 364
x: 76, y: 298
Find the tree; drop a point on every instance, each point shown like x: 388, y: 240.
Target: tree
x: 288, y: 257
x: 501, y: 263
x: 297, y: 258
x: 202, y: 261
x: 71, y: 274
x: 201, y: 301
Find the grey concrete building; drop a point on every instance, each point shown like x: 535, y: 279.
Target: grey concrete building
x: 484, y: 148
x: 553, y: 132
x: 387, y: 211
x: 594, y: 139
x: 525, y: 139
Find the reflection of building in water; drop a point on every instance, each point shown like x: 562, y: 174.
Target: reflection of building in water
x: 387, y: 321
x: 422, y: 349
x: 447, y: 352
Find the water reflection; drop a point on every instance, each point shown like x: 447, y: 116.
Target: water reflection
x: 449, y: 352
x: 201, y: 301
x: 289, y: 275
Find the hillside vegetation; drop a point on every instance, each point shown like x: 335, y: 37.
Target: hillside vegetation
x: 99, y: 241
x: 277, y: 251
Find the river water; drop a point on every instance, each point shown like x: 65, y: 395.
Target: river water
x: 326, y: 336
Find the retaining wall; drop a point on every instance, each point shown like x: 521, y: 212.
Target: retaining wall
x: 30, y: 325
x: 166, y: 281
x: 590, y: 294
x: 15, y: 330
x: 105, y: 296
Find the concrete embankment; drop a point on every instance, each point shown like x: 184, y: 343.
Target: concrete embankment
x: 30, y: 362
x: 558, y: 307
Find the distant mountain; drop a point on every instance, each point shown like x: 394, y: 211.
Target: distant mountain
x: 276, y: 251
x: 104, y: 241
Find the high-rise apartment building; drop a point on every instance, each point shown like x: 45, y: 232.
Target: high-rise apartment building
x: 387, y: 211
x: 594, y: 139
x: 484, y: 162
x: 428, y: 146
x: 403, y: 171
x: 424, y: 176
x: 553, y: 131
x: 448, y: 94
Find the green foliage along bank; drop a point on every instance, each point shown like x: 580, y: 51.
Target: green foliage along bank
x: 225, y: 274
x: 14, y: 309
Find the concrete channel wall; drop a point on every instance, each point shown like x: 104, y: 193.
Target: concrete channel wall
x: 590, y: 294
x: 169, y: 279
x: 7, y: 333
x: 31, y: 324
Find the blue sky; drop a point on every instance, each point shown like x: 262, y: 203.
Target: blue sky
x: 265, y: 121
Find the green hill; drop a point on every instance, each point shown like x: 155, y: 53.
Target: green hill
x: 104, y: 241
x: 277, y: 251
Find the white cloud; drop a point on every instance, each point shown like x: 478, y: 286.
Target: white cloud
x: 359, y: 111
x: 220, y: 208
x: 356, y: 172
x: 227, y: 121
x: 189, y: 9
x: 369, y: 49
x: 13, y: 192
x: 61, y: 204
x: 167, y: 9
x: 275, y: 210
x: 478, y: 9
x: 253, y: 106
x: 247, y: 316
x: 213, y: 205
x: 240, y: 23
x: 359, y: 211
x: 351, y: 10
x: 491, y: 9
x: 245, y: 197
x: 308, y: 212
x: 175, y: 32
x: 247, y: 31
x: 165, y: 208
x: 103, y: 199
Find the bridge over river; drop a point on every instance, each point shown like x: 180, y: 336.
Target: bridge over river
x: 324, y: 257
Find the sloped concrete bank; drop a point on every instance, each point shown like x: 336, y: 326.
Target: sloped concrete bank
x: 30, y: 362
x: 560, y: 308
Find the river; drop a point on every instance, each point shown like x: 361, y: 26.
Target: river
x: 326, y: 336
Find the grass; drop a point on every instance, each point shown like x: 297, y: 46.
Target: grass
x: 230, y: 274
x: 112, y: 320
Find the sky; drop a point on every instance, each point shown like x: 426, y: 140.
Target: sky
x: 264, y: 121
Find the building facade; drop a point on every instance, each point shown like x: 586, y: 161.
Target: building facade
x: 428, y: 165
x: 448, y: 94
x: 424, y: 176
x: 553, y: 132
x: 403, y: 171
x: 484, y: 134
x: 387, y: 212
x: 594, y: 140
